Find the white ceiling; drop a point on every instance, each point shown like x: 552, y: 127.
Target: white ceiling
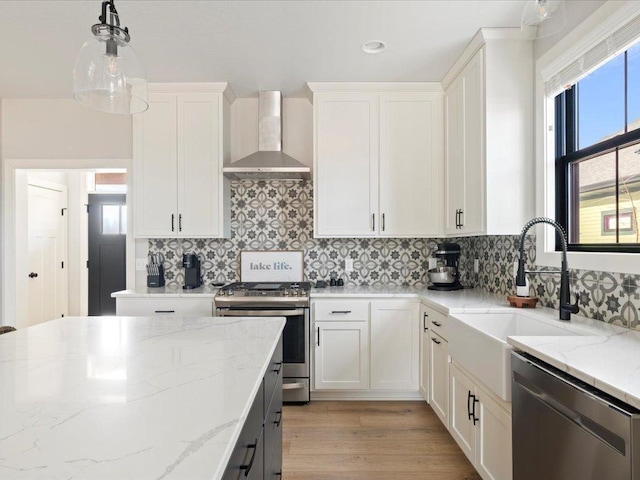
x: 253, y: 45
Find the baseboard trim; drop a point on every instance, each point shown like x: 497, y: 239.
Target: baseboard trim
x: 364, y: 395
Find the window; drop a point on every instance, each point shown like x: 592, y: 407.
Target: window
x: 598, y: 157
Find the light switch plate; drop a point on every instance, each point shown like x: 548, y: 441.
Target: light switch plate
x: 141, y: 264
x: 348, y: 265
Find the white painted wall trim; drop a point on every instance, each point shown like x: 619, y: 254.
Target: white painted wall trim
x: 194, y: 87
x: 604, y: 21
x: 8, y: 272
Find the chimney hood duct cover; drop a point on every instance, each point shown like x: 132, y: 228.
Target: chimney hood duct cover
x: 269, y: 162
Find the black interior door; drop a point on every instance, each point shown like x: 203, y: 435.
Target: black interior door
x: 107, y: 249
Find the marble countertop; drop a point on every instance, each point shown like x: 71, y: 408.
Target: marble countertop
x: 609, y: 359
x: 124, y: 397
x: 169, y: 292
x: 468, y: 300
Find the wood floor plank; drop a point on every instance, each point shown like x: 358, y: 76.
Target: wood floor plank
x: 369, y: 440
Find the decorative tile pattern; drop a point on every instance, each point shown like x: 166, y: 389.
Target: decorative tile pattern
x: 270, y: 215
x: 278, y: 215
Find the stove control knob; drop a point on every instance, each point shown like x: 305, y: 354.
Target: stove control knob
x: 230, y: 292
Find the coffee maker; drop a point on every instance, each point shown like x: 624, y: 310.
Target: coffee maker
x: 446, y: 276
x: 192, y: 275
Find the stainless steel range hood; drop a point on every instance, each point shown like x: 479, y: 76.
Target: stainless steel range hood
x: 269, y: 162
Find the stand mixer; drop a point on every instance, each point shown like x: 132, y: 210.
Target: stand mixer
x: 446, y: 276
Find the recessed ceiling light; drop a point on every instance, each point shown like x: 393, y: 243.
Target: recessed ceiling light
x: 373, y: 46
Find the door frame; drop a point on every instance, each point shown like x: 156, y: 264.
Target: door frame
x: 11, y: 311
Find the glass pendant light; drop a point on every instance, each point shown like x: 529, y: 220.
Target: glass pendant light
x: 108, y: 75
x: 542, y: 18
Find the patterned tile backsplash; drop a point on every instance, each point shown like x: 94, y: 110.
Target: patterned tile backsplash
x: 278, y: 215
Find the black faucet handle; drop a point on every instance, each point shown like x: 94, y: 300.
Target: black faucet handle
x: 574, y: 307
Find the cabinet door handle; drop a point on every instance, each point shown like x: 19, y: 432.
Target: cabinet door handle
x: 373, y: 222
x: 247, y: 467
x: 277, y: 370
x: 180, y: 222
x: 279, y: 420
x: 469, y: 413
x: 437, y: 342
x: 475, y: 400
x: 173, y: 218
x: 33, y: 275
x: 383, y: 222
x: 461, y: 218
x: 341, y: 311
x: 164, y: 311
x: 458, y: 218
x: 437, y: 324
x: 424, y: 321
x: 318, y: 335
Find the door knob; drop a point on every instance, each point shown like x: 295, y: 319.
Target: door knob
x: 33, y: 275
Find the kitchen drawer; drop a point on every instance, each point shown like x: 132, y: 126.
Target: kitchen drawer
x: 350, y: 310
x: 273, y: 377
x: 151, y: 307
x: 273, y: 422
x: 250, y: 444
x: 273, y: 466
x: 437, y: 322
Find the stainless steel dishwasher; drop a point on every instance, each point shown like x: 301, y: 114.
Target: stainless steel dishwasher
x: 565, y: 429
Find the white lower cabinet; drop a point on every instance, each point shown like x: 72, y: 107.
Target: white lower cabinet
x: 370, y: 347
x: 425, y: 352
x: 480, y: 426
x: 439, y: 376
x: 167, y: 306
x: 341, y: 355
x: 394, y: 345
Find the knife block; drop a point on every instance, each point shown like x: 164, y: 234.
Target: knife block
x: 156, y: 279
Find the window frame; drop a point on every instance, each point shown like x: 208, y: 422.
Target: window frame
x: 567, y: 154
x: 597, y: 27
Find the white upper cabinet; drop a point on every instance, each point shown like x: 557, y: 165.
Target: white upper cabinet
x: 378, y: 160
x: 489, y: 136
x: 179, y: 190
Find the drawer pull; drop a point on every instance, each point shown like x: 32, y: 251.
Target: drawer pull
x: 277, y: 370
x: 164, y: 311
x: 424, y: 321
x: 247, y: 467
x: 343, y: 312
x: 279, y: 420
x: 436, y: 323
x: 437, y: 342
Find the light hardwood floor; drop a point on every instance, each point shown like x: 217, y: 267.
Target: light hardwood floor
x: 369, y: 440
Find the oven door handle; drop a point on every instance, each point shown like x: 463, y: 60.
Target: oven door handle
x: 261, y: 313
x: 292, y: 386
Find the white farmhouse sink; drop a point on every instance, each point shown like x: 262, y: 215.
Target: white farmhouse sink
x: 478, y: 342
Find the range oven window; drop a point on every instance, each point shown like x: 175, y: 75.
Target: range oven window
x: 293, y: 340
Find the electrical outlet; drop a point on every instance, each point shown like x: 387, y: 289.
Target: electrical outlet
x: 348, y: 265
x: 476, y: 265
x: 141, y: 264
x: 433, y: 263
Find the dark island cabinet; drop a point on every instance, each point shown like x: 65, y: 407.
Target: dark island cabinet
x: 258, y: 451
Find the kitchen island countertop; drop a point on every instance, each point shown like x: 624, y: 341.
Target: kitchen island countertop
x: 129, y: 397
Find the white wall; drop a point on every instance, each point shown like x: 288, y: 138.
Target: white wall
x: 62, y: 129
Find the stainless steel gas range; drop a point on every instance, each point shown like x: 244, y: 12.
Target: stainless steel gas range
x: 277, y: 299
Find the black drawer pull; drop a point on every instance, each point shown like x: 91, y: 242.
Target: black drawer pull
x: 164, y: 311
x: 277, y: 370
x: 469, y: 413
x: 424, y: 321
x: 344, y: 312
x: 279, y: 420
x: 437, y: 342
x: 247, y: 467
x: 436, y: 323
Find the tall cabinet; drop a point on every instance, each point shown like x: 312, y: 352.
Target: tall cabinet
x: 488, y: 115
x: 180, y: 144
x: 378, y: 159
